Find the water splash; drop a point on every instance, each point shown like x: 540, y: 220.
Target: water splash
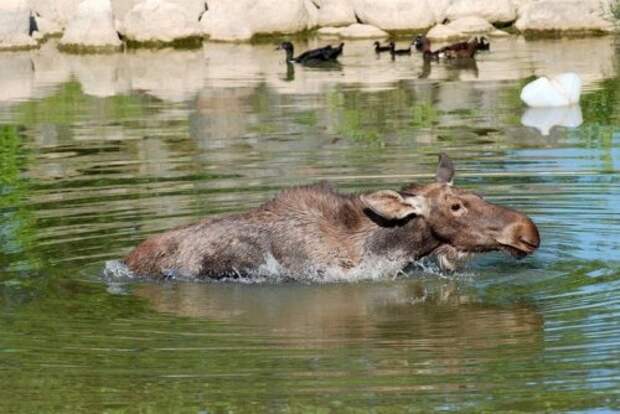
x: 375, y: 268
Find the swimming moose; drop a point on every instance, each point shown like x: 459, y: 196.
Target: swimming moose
x: 316, y: 231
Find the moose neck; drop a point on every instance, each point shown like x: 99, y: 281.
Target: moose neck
x: 411, y: 237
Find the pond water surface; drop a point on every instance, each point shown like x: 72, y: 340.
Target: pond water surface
x: 98, y: 152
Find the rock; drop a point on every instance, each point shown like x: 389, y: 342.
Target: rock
x: 439, y: 9
x: 47, y: 26
x: 193, y: 8
x: 569, y: 15
x: 518, y: 4
x: 53, y: 16
x: 330, y: 31
x: 92, y: 27
x: 362, y: 31
x: 15, y: 25
x: 444, y: 32
x: 65, y: 10
x: 395, y: 14
x: 498, y: 33
x: 543, y: 119
x: 313, y: 14
x: 460, y: 28
x: 228, y: 22
x: 354, y: 31
x: 159, y: 21
x: 471, y: 24
x: 335, y: 12
x: 120, y: 8
x: 561, y: 90
x: 495, y: 11
x: 242, y: 19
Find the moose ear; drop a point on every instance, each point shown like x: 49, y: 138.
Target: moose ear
x: 445, y: 169
x: 393, y: 206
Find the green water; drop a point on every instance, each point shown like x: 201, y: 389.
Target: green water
x: 98, y: 152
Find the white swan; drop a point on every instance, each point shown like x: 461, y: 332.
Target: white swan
x: 560, y: 90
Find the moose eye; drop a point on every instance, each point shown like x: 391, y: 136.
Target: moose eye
x: 455, y: 207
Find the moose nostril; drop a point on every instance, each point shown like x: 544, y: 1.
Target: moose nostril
x: 529, y: 242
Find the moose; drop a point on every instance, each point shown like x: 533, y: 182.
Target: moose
x: 317, y: 230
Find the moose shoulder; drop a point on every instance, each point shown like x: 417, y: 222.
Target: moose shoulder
x: 316, y: 229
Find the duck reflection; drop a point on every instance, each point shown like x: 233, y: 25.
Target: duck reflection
x: 331, y: 66
x: 454, y: 68
x: 463, y: 65
x: 290, y: 72
x: 411, y: 313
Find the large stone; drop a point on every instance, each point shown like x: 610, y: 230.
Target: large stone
x: 444, y: 32
x: 193, y: 8
x: 499, y: 33
x: 354, y: 31
x: 470, y: 25
x: 47, y: 26
x: 15, y: 25
x: 439, y: 9
x: 518, y: 4
x: 53, y: 16
x: 92, y: 27
x: 330, y: 31
x: 362, y: 31
x: 495, y: 11
x: 242, y: 19
x: 395, y: 14
x: 335, y: 12
x: 313, y: 14
x: 461, y: 28
x: 569, y: 15
x: 159, y: 21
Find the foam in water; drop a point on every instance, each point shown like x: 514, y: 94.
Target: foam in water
x: 115, y: 270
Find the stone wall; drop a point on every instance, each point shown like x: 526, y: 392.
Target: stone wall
x: 163, y: 21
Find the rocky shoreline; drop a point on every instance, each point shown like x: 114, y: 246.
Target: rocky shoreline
x: 106, y: 25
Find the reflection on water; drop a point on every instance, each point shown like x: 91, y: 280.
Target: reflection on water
x: 326, y: 315
x: 98, y: 152
x: 543, y: 119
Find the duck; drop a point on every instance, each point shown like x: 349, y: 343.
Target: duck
x: 561, y: 90
x: 458, y: 50
x: 482, y: 43
x: 381, y: 49
x: 333, y: 52
x: 394, y: 51
x: 423, y: 44
x: 466, y: 51
x: 322, y: 54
